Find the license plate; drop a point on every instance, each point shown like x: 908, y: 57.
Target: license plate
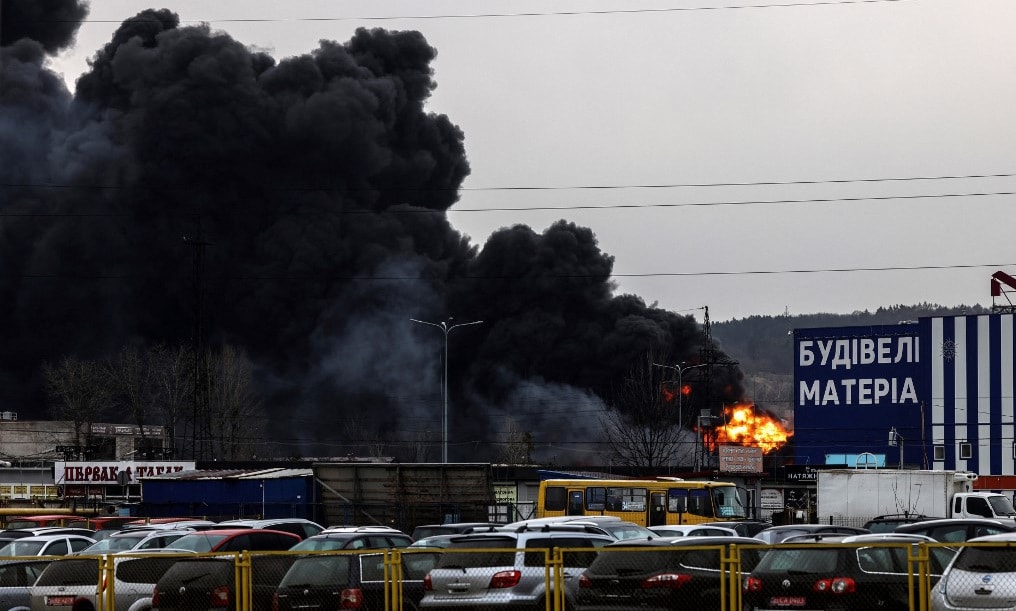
x: 60, y: 601
x: 788, y: 601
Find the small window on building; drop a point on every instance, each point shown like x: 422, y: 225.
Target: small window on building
x: 940, y: 452
x: 966, y: 451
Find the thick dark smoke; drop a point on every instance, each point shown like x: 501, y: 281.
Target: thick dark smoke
x: 51, y: 23
x: 315, y: 189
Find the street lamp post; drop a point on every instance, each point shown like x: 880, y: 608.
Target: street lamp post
x: 680, y: 387
x: 446, y: 329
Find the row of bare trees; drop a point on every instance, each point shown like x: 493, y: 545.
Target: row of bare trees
x: 156, y: 386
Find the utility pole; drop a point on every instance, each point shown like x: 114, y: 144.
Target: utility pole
x: 199, y: 419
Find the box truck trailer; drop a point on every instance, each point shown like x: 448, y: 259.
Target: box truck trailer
x: 854, y: 496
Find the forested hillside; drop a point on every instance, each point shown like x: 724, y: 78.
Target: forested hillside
x: 762, y: 345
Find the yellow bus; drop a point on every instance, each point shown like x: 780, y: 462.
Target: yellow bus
x: 646, y: 502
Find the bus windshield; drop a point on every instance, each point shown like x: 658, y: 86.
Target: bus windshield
x: 730, y: 503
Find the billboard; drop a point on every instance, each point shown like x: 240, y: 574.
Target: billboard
x: 852, y: 385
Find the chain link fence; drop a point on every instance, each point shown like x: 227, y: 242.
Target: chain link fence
x: 620, y: 577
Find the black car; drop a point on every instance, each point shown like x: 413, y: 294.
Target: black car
x: 209, y: 582
x: 838, y: 573
x: 889, y: 523
x: 744, y: 528
x: 957, y: 530
x: 652, y: 574
x: 343, y: 580
x: 775, y: 534
x: 452, y: 528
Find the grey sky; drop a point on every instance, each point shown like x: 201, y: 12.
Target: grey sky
x: 824, y: 92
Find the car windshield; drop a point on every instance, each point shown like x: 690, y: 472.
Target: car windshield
x: 198, y: 542
x: 1001, y: 505
x: 799, y: 560
x: 22, y: 548
x: 114, y: 544
x: 70, y: 573
x: 318, y: 545
x: 986, y: 560
x: 627, y: 531
x: 327, y: 570
x: 492, y: 551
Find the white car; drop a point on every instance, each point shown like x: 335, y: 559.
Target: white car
x: 979, y: 577
x: 46, y: 545
x: 693, y: 530
x: 136, y: 540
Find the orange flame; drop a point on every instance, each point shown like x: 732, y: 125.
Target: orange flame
x: 744, y: 426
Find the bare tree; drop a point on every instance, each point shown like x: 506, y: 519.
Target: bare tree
x: 236, y: 413
x: 171, y: 377
x: 517, y: 447
x: 81, y: 393
x: 131, y: 378
x: 641, y: 428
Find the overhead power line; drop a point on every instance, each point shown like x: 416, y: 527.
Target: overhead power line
x: 340, y: 277
x: 632, y: 11
x: 601, y: 187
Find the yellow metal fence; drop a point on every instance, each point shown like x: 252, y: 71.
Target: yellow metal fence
x: 559, y: 579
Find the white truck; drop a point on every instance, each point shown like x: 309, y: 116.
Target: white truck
x: 853, y: 496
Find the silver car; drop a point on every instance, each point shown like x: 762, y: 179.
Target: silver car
x: 506, y: 568
x: 979, y: 577
x: 46, y: 545
x: 73, y: 583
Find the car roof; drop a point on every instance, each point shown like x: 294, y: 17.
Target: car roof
x: 816, y: 537
x: 559, y: 519
x: 686, y: 528
x: 888, y: 538
x: 686, y: 541
x: 937, y: 521
x: 1007, y: 537
x: 51, y: 537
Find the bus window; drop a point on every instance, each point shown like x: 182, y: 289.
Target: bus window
x: 626, y: 499
x: 596, y: 499
x: 699, y: 503
x: 556, y: 498
x: 575, y: 507
x: 677, y: 500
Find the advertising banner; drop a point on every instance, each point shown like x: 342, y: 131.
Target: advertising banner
x: 852, y: 385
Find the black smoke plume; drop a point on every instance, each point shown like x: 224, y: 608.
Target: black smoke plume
x: 314, y: 190
x: 51, y: 23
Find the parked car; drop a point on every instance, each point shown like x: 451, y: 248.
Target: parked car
x: 16, y: 576
x: 692, y: 530
x: 73, y: 584
x: 344, y: 580
x: 837, y: 573
x: 363, y: 537
x: 135, y: 540
x: 889, y: 523
x: 300, y: 527
x: 776, y: 534
x: 979, y: 577
x: 235, y: 540
x: 452, y: 528
x: 35, y: 521
x: 608, y: 525
x: 744, y: 528
x: 433, y: 541
x: 46, y: 545
x: 665, y: 573
x: 209, y: 582
x: 955, y: 530
x: 507, y: 568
